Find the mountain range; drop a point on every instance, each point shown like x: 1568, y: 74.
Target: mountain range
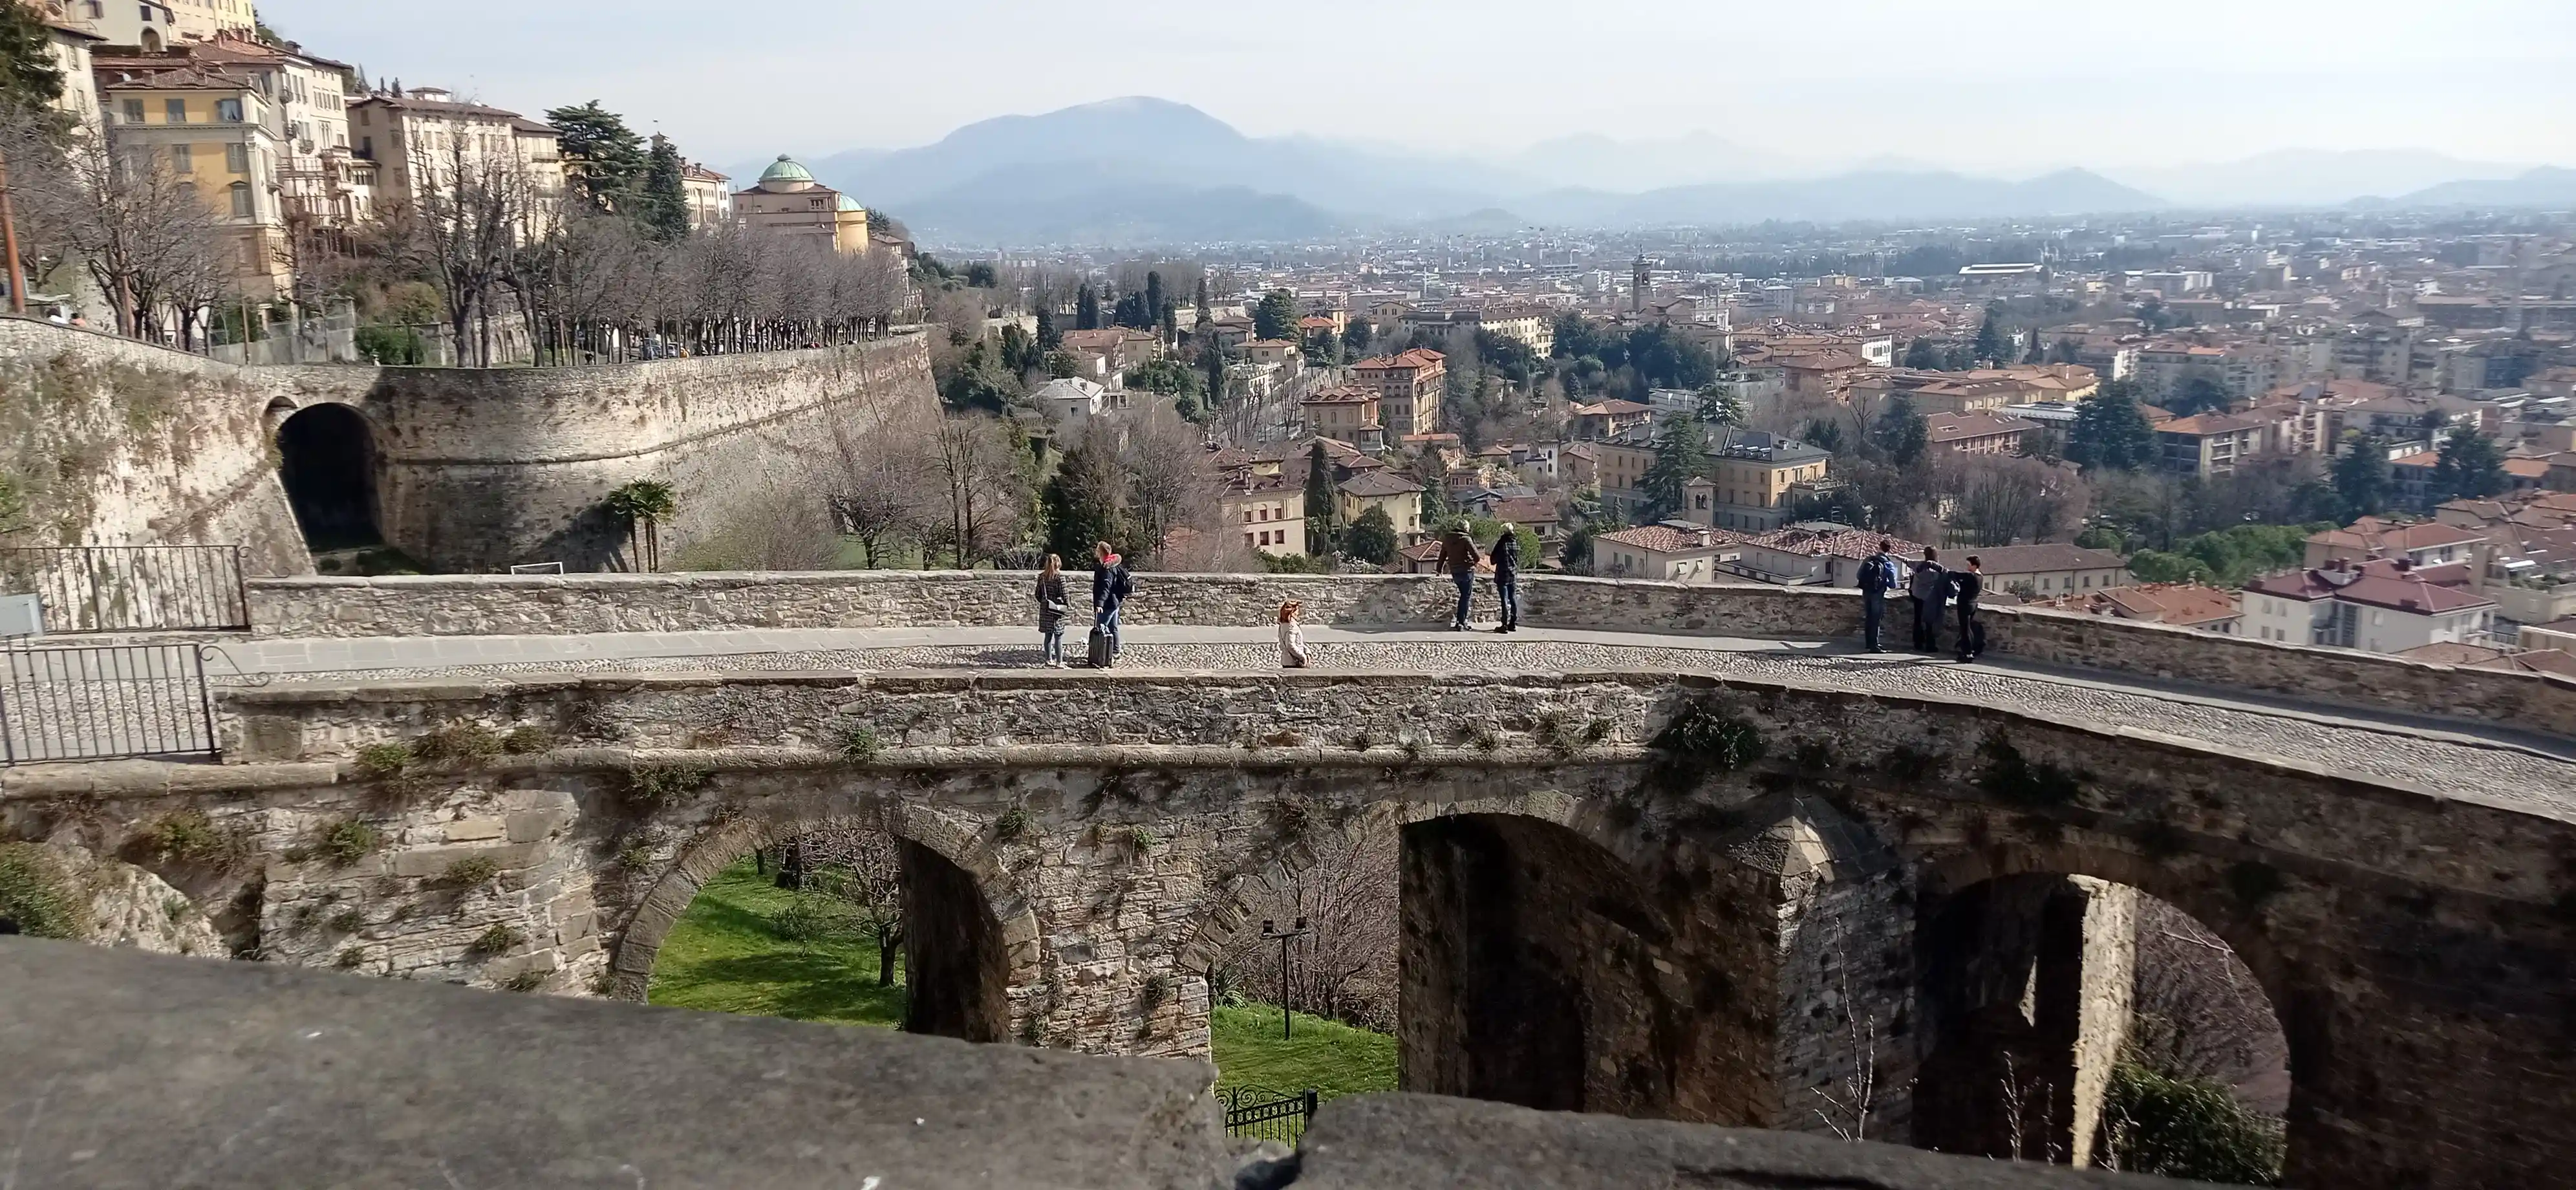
x: 1139, y: 171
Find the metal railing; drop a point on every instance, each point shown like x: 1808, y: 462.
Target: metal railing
x: 1269, y: 1115
x: 131, y: 588
x: 103, y: 702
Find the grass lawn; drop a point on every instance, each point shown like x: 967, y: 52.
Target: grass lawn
x: 1329, y: 1056
x: 723, y: 956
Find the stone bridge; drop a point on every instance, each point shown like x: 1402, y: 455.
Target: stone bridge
x: 1697, y: 876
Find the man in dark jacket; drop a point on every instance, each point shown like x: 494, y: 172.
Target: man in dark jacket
x: 1458, y: 557
x: 1928, y: 589
x: 1110, y: 586
x: 1877, y: 574
x: 1970, y: 585
x: 1507, y: 578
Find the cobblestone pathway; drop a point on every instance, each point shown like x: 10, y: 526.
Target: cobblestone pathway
x: 2449, y: 760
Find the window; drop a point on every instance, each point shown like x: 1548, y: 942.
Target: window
x: 237, y: 159
x: 181, y: 162
x: 187, y: 192
x: 174, y: 111
x: 241, y: 200
x: 133, y: 111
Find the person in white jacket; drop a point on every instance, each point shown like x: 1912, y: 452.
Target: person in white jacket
x: 1292, y: 637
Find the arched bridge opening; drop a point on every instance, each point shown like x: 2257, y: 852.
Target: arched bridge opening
x: 328, y: 463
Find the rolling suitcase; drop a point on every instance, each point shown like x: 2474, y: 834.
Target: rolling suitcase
x: 1100, y: 648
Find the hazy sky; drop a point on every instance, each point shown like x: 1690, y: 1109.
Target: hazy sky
x: 1994, y: 84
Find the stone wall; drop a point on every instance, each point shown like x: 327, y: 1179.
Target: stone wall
x: 2416, y: 948
x: 476, y: 469
x: 120, y: 443
x: 504, y: 605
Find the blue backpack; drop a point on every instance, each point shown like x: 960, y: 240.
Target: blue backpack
x: 1883, y: 568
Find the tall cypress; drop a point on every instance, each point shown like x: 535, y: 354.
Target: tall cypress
x: 1322, y: 512
x: 1086, y: 310
x: 666, y: 196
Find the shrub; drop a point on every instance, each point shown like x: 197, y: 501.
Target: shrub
x: 37, y: 896
x: 527, y: 739
x: 1702, y: 734
x: 463, y: 743
x: 469, y: 872
x: 2189, y: 1128
x: 660, y: 784
x: 188, y: 835
x: 1013, y: 824
x: 377, y: 761
x: 813, y: 919
x: 345, y: 842
x: 495, y: 941
x: 1158, y: 988
x: 1138, y: 839
x: 350, y: 958
x: 859, y: 742
x: 525, y: 981
x: 347, y: 921
x: 635, y: 857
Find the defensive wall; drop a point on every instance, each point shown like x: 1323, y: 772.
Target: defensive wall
x: 472, y: 605
x: 462, y: 469
x: 1686, y: 930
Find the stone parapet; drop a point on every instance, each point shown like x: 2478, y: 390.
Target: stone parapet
x: 485, y: 605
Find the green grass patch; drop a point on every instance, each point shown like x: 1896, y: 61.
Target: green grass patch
x: 727, y: 955
x: 1329, y: 1056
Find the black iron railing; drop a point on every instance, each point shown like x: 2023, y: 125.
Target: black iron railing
x: 131, y: 588
x: 1268, y: 1115
x: 103, y: 702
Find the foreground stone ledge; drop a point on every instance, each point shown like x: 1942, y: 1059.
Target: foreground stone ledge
x: 130, y: 1070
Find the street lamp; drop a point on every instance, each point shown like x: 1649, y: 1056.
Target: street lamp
x: 1287, y: 1020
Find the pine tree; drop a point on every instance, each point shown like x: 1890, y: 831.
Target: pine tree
x: 2111, y: 432
x: 1355, y: 335
x: 1901, y: 432
x: 611, y: 157
x: 1990, y: 347
x: 30, y: 79
x: 1372, y: 537
x: 2470, y: 467
x: 665, y: 203
x: 1276, y: 316
x: 1322, y: 501
x: 1049, y: 338
x: 1922, y: 356
x: 2361, y: 476
x: 1086, y: 309
x: 1681, y: 455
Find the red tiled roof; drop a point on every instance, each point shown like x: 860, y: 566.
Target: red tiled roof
x: 1664, y: 539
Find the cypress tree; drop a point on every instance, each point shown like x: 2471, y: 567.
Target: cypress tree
x: 1086, y: 310
x: 665, y: 210
x: 1322, y: 510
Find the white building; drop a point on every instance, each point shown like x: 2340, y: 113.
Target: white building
x: 1071, y: 402
x: 2380, y: 606
x: 1663, y: 552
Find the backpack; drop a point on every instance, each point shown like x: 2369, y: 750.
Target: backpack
x: 1883, y: 568
x: 1121, y: 584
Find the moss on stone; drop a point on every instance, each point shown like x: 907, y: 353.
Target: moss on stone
x: 38, y: 896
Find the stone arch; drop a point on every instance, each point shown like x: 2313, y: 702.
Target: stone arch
x: 2060, y: 915
x: 328, y: 464
x: 957, y: 845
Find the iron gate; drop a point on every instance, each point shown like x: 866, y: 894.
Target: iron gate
x: 1268, y: 1115
x: 131, y: 588
x: 103, y: 702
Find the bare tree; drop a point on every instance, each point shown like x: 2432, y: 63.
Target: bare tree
x: 473, y: 208
x: 2004, y: 500
x: 982, y: 472
x: 2198, y: 1012
x: 1345, y: 969
x: 142, y: 228
x: 861, y: 867
x: 781, y: 525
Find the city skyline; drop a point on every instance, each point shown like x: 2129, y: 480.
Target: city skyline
x: 2003, y: 87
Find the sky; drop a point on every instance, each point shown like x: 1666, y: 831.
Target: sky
x: 1993, y: 85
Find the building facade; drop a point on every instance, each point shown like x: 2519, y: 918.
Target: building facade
x: 214, y: 134
x: 1409, y: 387
x: 787, y: 201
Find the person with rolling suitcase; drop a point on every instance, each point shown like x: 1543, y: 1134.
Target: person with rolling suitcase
x: 1110, y: 586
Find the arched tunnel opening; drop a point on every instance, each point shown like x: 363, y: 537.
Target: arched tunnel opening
x: 328, y: 465
x: 2082, y: 1022
x: 845, y: 924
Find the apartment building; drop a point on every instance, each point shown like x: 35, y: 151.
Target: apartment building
x: 2381, y: 606
x: 2210, y: 444
x: 1395, y: 494
x: 216, y: 134
x: 1409, y: 387
x: 320, y: 177
x: 1666, y: 554
x: 710, y: 195
x: 1986, y: 432
x: 421, y: 137
x: 1754, y: 473
x: 2052, y: 569
x: 1270, y: 511
x: 1347, y: 413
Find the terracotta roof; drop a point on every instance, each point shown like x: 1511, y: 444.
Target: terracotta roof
x: 1664, y: 539
x: 1373, y: 484
x: 1416, y: 358
x: 1342, y: 396
x: 1525, y: 510
x: 1959, y: 427
x: 1835, y: 543
x: 2211, y: 423
x: 2382, y: 583
x: 2043, y: 559
x: 2547, y: 661
x: 2372, y: 533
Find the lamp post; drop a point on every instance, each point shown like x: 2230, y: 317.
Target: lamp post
x: 1287, y: 1020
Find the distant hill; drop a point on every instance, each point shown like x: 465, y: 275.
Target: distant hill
x: 2307, y: 177
x: 2547, y: 186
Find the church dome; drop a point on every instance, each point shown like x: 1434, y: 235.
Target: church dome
x: 850, y: 204
x: 786, y: 174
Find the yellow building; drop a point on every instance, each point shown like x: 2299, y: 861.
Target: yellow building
x: 216, y: 134
x: 419, y: 136
x: 1345, y: 414
x: 788, y: 201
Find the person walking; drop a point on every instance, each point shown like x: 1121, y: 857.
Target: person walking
x: 1970, y: 585
x: 1507, y: 578
x: 1929, y: 588
x: 1292, y: 637
x: 1051, y: 608
x: 1877, y: 576
x: 1110, y: 586
x: 1458, y: 557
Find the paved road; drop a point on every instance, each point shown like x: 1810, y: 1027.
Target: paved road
x: 2463, y: 759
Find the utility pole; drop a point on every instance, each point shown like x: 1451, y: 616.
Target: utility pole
x: 1287, y: 1019
x: 9, y: 244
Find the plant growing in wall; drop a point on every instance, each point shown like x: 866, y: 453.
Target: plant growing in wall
x: 642, y: 506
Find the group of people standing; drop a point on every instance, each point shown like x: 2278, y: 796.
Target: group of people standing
x: 1461, y: 559
x: 1111, y: 584
x: 1930, y: 587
